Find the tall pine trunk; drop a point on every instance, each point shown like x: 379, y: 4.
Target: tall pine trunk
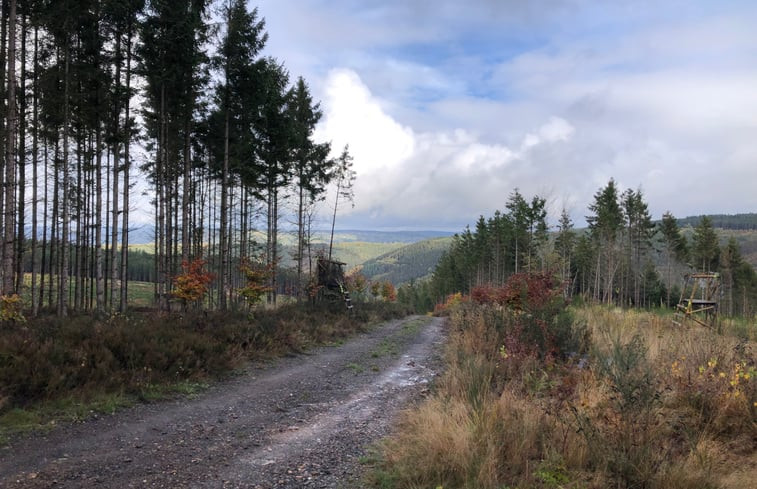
x: 65, y: 252
x: 35, y: 299
x: 20, y: 234
x: 127, y: 165
x: 99, y: 275
x: 10, y: 159
x: 224, y: 212
x: 113, y: 272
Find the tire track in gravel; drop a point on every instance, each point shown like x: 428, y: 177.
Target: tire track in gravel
x: 299, y: 421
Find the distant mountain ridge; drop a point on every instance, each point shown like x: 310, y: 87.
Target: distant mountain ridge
x: 144, y: 234
x: 413, y: 261
x: 383, y: 236
x: 743, y: 222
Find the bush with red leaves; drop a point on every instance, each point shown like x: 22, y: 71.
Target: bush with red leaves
x: 540, y: 322
x: 522, y: 292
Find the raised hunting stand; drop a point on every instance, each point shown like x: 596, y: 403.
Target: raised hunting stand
x: 699, y: 299
x: 331, y: 281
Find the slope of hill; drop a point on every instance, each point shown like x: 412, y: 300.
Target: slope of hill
x: 406, y: 237
x: 746, y: 239
x: 355, y: 253
x: 747, y: 221
x: 145, y: 234
x: 413, y: 261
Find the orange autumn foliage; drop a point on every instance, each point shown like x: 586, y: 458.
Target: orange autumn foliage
x: 192, y: 284
x: 257, y: 276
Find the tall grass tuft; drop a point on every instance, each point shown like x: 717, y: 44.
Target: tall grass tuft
x: 625, y: 400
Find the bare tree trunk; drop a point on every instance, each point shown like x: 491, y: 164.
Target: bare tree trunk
x: 127, y: 165
x: 3, y: 125
x: 116, y: 168
x: 224, y: 211
x: 54, y: 227
x: 333, y: 220
x: 35, y: 300
x: 100, y: 301
x: 275, y: 246
x: 243, y: 221
x: 20, y: 234
x: 160, y: 235
x: 186, y: 228
x: 81, y: 235
x: 10, y: 159
x: 300, y: 236
x: 64, y: 238
x: 269, y: 241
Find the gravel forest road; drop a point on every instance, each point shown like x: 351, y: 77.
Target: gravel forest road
x: 299, y: 421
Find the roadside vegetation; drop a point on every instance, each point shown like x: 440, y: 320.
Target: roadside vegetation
x: 540, y: 394
x: 63, y: 369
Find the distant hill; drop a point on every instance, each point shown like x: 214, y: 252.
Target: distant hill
x: 724, y: 221
x: 747, y: 240
x: 144, y: 234
x: 413, y: 261
x: 742, y: 227
x: 381, y: 236
x: 355, y: 253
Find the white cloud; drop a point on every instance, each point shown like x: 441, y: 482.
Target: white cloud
x: 444, y: 177
x: 355, y: 117
x: 448, y: 106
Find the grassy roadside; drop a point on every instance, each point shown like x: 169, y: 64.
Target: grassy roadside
x: 54, y: 370
x: 616, y: 399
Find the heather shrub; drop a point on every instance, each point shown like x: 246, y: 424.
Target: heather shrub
x: 82, y: 356
x: 531, y: 314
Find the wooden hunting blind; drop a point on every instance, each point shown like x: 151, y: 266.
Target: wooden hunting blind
x: 699, y: 299
x: 331, y: 281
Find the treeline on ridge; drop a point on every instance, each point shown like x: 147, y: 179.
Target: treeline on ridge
x: 746, y: 221
x: 623, y: 258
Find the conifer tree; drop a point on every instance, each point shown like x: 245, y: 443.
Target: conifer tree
x: 238, y: 99
x: 704, y: 246
x: 312, y: 167
x: 564, y: 244
x: 605, y: 224
x: 674, y: 244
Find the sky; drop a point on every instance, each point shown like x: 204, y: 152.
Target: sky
x: 448, y: 106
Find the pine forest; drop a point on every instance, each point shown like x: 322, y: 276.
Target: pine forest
x: 166, y: 107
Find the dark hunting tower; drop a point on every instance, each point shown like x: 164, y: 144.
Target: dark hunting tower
x: 331, y: 281
x: 699, y: 299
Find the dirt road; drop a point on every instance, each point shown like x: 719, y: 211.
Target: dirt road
x: 300, y: 421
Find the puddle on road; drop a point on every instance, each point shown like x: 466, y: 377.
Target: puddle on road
x: 407, y: 373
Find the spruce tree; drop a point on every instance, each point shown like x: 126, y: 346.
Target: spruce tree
x: 605, y: 224
x: 704, y: 246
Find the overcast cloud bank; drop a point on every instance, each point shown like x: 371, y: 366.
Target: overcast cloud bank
x: 448, y: 109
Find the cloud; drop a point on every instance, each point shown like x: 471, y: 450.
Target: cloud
x: 408, y: 178
x: 449, y: 106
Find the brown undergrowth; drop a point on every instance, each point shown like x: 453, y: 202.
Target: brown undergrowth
x: 84, y: 362
x: 623, y: 400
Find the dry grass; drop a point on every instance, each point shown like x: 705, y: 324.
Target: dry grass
x: 650, y: 406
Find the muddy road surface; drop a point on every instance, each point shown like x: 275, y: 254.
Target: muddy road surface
x: 300, y: 421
